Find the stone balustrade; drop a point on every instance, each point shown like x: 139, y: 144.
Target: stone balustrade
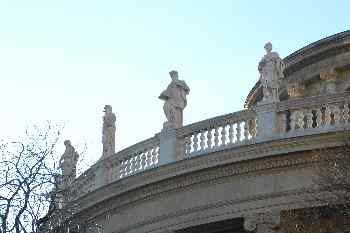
x: 140, y: 157
x: 314, y: 114
x: 218, y: 133
x: 295, y: 117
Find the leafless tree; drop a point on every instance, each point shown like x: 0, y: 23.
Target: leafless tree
x: 30, y: 198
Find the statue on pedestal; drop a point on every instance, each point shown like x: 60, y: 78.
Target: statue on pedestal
x: 108, y: 132
x: 175, y: 101
x: 271, y: 72
x: 68, y: 164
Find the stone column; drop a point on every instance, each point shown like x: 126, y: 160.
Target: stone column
x: 267, y: 222
x: 329, y: 77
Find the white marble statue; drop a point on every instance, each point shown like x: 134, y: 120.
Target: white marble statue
x: 271, y: 72
x: 108, y: 132
x: 68, y: 164
x: 175, y: 101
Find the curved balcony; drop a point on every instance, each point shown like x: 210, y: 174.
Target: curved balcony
x: 248, y: 165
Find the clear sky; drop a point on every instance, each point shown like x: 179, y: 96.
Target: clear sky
x: 64, y: 60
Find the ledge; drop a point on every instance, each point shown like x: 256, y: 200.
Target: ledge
x: 158, y: 181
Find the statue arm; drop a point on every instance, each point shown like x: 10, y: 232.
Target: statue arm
x: 164, y: 95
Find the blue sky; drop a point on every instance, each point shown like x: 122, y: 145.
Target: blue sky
x: 64, y: 60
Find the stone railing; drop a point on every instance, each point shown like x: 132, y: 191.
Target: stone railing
x: 218, y: 133
x: 314, y: 114
x: 139, y: 157
x: 266, y: 122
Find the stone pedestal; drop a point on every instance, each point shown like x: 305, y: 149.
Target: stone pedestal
x: 266, y: 121
x: 267, y: 222
x: 168, y: 146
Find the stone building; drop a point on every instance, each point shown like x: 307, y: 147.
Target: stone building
x: 237, y: 172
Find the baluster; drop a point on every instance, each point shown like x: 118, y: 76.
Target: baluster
x: 318, y: 118
x: 209, y: 136
x: 183, y: 147
x: 223, y: 136
x: 132, y: 165
x: 128, y: 167
x: 122, y: 169
x: 328, y: 117
x: 152, y: 158
x: 216, y: 137
x: 195, y: 142
x: 293, y: 120
x: 309, y: 120
x: 337, y: 115
x: 254, y: 127
x: 230, y: 134
x: 346, y: 113
x: 188, y: 145
x: 155, y: 154
x: 300, y: 119
x: 143, y: 157
x: 238, y: 132
x: 202, y: 140
x: 138, y: 162
x: 148, y: 158
x: 246, y: 131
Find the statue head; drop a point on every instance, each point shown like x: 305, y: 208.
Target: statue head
x: 67, y: 143
x: 268, y: 47
x: 174, y: 75
x: 108, y: 109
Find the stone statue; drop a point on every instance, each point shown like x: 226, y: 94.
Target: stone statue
x: 108, y: 132
x: 68, y: 164
x: 271, y: 72
x: 175, y: 101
